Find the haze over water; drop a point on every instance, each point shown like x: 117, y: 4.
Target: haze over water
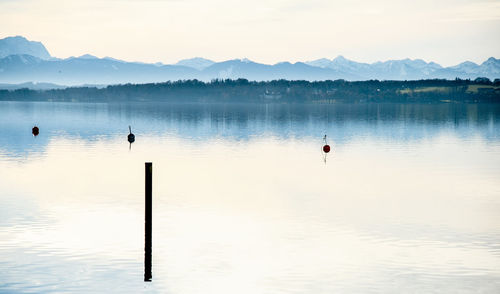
x: 243, y: 201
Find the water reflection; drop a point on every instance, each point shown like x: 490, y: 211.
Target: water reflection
x: 242, y: 202
x: 91, y: 122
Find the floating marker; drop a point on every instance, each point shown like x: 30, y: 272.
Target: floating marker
x: 35, y: 131
x: 326, y: 147
x: 130, y: 137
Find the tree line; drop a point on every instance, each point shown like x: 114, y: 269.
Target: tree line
x: 276, y: 91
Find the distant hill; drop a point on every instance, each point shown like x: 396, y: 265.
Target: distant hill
x: 25, y: 61
x: 19, y: 45
x: 16, y: 69
x: 31, y: 85
x: 408, y: 69
x: 197, y: 63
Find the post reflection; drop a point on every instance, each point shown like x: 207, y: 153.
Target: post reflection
x: 148, y: 223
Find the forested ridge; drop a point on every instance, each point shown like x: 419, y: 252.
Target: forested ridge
x: 278, y: 91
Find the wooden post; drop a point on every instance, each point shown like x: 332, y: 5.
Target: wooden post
x: 148, y: 223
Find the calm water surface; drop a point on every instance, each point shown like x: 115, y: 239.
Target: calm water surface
x: 408, y: 201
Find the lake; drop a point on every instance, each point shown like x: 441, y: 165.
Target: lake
x: 245, y: 201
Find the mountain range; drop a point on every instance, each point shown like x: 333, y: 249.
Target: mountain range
x: 23, y: 61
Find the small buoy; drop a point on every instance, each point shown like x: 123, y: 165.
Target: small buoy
x: 130, y: 137
x: 326, y: 147
x: 35, y: 131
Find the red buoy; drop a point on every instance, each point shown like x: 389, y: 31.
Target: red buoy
x: 326, y: 148
x: 35, y: 131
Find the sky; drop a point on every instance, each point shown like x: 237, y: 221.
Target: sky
x: 268, y: 31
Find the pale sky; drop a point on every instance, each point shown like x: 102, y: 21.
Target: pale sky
x: 266, y: 31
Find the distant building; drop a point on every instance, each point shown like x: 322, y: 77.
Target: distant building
x: 272, y: 95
